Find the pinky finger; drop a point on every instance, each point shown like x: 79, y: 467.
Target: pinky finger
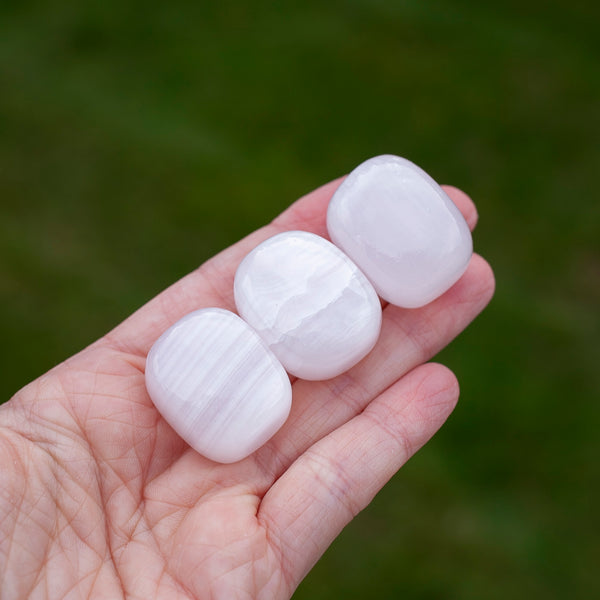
x: 338, y: 476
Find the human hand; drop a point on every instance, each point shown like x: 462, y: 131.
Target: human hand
x: 100, y: 498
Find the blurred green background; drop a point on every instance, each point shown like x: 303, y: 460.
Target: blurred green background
x: 137, y: 139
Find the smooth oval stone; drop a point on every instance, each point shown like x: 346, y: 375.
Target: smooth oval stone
x: 218, y: 385
x: 398, y: 225
x: 309, y: 302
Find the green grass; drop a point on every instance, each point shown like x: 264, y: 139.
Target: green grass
x: 137, y: 139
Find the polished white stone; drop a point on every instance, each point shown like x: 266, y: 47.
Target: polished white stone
x: 398, y: 225
x: 217, y: 384
x: 309, y: 302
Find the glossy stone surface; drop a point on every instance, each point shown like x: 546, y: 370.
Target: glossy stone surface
x: 309, y: 302
x: 402, y: 230
x: 217, y: 384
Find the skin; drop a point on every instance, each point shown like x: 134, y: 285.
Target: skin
x: 99, y: 497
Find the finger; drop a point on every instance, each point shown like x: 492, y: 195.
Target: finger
x: 212, y: 283
x: 337, y: 477
x: 408, y: 338
x: 464, y: 204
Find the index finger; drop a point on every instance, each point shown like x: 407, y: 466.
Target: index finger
x: 211, y: 284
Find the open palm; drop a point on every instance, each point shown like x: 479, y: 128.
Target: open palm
x: 100, y: 498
